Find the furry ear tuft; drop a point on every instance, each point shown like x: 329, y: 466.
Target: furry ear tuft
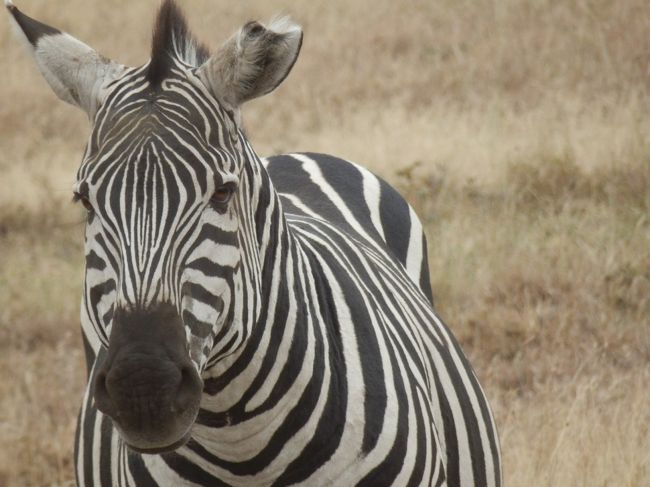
x: 253, y: 62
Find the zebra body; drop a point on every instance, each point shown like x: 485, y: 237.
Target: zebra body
x: 250, y: 322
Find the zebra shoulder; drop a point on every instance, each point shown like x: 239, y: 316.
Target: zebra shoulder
x: 354, y: 198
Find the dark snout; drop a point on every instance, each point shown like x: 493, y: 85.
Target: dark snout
x: 148, y: 384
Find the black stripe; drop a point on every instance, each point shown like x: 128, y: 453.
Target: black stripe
x: 190, y: 471
x: 94, y: 261
x: 211, y: 269
x: 105, y: 453
x: 88, y: 434
x: 33, y: 29
x: 88, y: 353
x: 425, y: 278
x: 198, y: 292
x: 77, y: 439
x: 139, y: 471
x: 394, y: 214
x: 198, y: 327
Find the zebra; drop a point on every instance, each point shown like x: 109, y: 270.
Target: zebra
x: 249, y: 321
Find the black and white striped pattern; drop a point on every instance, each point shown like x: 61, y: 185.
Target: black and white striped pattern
x: 306, y: 302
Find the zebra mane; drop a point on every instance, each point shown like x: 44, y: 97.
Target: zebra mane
x: 172, y: 41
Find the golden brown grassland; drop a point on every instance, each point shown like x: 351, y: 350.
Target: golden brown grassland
x: 518, y: 129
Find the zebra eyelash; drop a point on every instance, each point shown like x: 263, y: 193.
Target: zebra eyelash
x: 78, y: 197
x: 222, y: 196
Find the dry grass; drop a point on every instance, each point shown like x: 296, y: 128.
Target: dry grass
x: 518, y: 129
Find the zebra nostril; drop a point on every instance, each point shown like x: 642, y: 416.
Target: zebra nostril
x: 103, y: 399
x: 189, y: 390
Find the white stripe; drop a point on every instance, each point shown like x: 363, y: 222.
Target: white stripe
x: 372, y: 195
x: 97, y: 447
x: 82, y: 445
x: 415, y: 251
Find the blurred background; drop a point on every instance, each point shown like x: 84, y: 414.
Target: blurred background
x: 518, y: 129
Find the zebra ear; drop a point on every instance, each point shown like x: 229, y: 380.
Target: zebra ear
x: 253, y: 62
x: 73, y: 70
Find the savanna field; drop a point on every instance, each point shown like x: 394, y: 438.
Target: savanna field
x: 519, y: 130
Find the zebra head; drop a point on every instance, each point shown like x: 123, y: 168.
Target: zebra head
x: 172, y: 192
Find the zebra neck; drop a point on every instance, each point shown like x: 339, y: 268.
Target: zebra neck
x: 274, y: 390
x: 277, y: 377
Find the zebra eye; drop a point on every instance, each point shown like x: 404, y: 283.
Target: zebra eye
x: 84, y: 201
x: 222, y: 196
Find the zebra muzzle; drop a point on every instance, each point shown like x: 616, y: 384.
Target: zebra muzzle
x: 147, y: 384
